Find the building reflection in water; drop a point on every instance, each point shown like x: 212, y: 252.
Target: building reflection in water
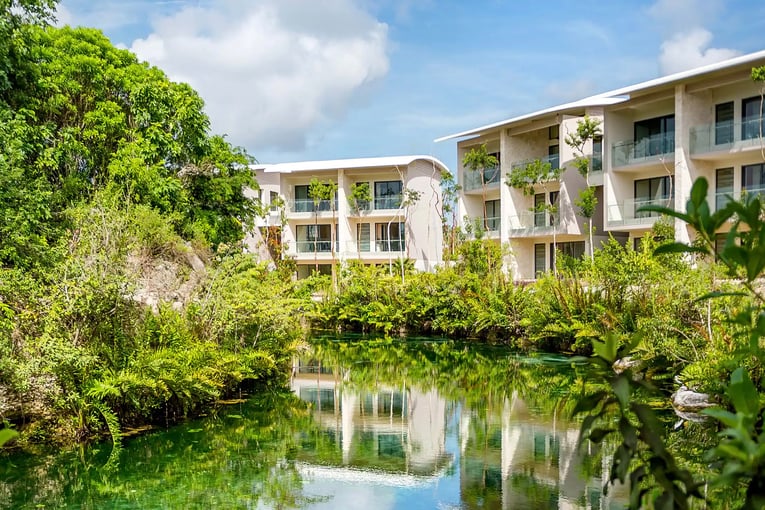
x: 505, y: 456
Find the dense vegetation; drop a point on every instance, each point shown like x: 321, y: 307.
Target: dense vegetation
x: 124, y: 296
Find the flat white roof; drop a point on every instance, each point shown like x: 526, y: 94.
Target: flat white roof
x: 618, y: 95
x: 346, y: 164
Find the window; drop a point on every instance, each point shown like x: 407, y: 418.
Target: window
x: 753, y: 178
x: 554, y: 195
x: 752, y: 121
x: 304, y: 202
x: 313, y: 238
x: 363, y: 236
x: 388, y: 194
x: 492, y: 215
x: 597, y: 154
x: 539, y: 210
x: 553, y: 156
x: 723, y: 186
x: 539, y: 259
x: 273, y: 197
x: 655, y: 136
x: 389, y: 236
x: 553, y: 132
x: 724, y: 123
x: 654, y: 191
x: 544, y: 216
x: 573, y: 249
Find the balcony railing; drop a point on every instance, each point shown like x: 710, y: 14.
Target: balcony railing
x: 627, y: 213
x: 724, y: 136
x: 552, y: 159
x: 307, y: 205
x: 387, y: 202
x: 392, y: 245
x: 314, y: 246
x: 534, y: 223
x: 645, y: 150
x: 472, y: 180
x: 491, y: 225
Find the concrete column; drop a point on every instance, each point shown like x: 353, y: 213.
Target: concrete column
x: 344, y: 234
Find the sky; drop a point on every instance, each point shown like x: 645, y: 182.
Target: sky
x: 298, y: 80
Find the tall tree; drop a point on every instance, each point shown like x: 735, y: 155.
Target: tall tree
x: 527, y: 178
x: 586, y: 130
x: 478, y: 161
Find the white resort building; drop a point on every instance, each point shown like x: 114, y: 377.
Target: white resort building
x: 657, y: 138
x: 398, y: 219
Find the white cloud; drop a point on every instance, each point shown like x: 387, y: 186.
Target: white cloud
x: 686, y: 41
x: 272, y: 73
x: 691, y: 49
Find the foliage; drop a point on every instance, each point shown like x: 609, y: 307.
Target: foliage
x: 360, y: 197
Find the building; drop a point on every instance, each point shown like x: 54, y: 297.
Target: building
x: 657, y: 138
x: 399, y: 220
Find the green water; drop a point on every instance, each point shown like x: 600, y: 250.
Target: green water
x: 370, y: 425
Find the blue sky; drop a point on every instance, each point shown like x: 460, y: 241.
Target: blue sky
x: 294, y: 80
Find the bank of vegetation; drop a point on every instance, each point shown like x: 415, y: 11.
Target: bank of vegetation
x: 125, y: 298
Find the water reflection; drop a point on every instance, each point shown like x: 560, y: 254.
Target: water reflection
x: 364, y: 424
x: 400, y: 444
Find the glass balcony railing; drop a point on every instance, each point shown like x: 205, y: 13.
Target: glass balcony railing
x: 307, y: 205
x: 476, y: 180
x: 597, y: 163
x: 628, y: 213
x: 387, y: 202
x: 392, y: 245
x: 724, y: 136
x: 491, y: 225
x: 652, y: 148
x: 314, y: 246
x: 552, y: 159
x: 534, y: 222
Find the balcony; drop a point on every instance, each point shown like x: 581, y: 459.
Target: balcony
x: 490, y: 177
x: 387, y: 202
x: 725, y: 137
x: 646, y: 150
x: 552, y: 159
x: 533, y: 223
x: 307, y: 205
x: 626, y: 214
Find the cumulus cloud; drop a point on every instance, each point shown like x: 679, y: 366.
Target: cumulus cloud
x: 691, y: 49
x: 271, y: 72
x: 687, y: 42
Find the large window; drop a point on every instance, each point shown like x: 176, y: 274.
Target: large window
x: 388, y: 194
x: 389, y: 236
x: 363, y: 236
x: 544, y: 215
x: 553, y: 156
x: 597, y: 154
x: 724, y: 123
x: 492, y: 215
x: 723, y: 187
x: 573, y: 249
x: 654, y: 191
x: 753, y: 178
x: 752, y: 121
x: 304, y: 202
x: 655, y: 136
x: 539, y: 259
x: 313, y: 238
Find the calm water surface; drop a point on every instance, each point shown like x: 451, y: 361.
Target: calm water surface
x: 370, y: 425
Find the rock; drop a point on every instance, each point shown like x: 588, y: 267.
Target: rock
x: 627, y: 362
x: 686, y: 400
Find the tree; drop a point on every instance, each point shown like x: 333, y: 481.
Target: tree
x: 758, y: 76
x: 586, y: 130
x: 359, y: 200
x: 448, y: 211
x: 480, y: 161
x: 527, y: 178
x: 324, y: 191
